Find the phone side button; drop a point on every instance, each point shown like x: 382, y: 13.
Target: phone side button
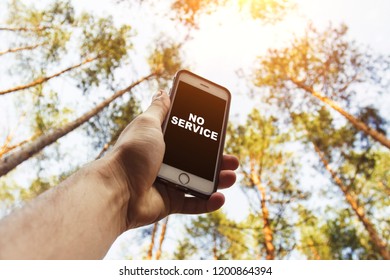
x: 184, y: 178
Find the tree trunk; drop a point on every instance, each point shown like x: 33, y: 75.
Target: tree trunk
x: 6, y: 148
x: 267, y: 231
x: 14, y: 159
x: 21, y: 49
x: 151, y: 246
x: 162, y: 238
x: 358, y: 209
x: 314, y: 251
x: 376, y: 135
x: 24, y: 29
x: 357, y: 123
x: 47, y: 78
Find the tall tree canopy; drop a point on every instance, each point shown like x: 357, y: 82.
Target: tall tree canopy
x: 322, y: 67
x: 314, y: 176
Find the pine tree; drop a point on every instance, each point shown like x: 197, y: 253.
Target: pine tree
x: 26, y: 151
x: 353, y: 174
x: 268, y: 171
x: 321, y: 68
x: 213, y: 236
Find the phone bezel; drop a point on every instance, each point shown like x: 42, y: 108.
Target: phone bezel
x: 197, y: 186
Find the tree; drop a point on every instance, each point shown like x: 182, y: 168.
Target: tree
x: 102, y: 45
x: 23, y: 48
x: 268, y: 170
x: 321, y: 68
x: 42, y: 80
x: 7, y: 146
x: 105, y: 128
x: 152, y: 241
x: 185, y: 249
x: 355, y: 169
x: 49, y: 26
x: 213, y: 236
x: 160, y: 240
x: 188, y: 11
x: 26, y: 151
x: 333, y: 238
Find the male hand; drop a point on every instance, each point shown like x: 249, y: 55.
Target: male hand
x: 138, y: 156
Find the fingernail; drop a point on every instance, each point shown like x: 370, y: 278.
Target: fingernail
x: 158, y: 95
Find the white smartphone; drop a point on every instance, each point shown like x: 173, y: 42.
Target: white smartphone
x: 194, y: 134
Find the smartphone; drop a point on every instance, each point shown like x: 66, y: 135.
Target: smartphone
x: 194, y: 134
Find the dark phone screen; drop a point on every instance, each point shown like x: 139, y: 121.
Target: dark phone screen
x: 194, y: 131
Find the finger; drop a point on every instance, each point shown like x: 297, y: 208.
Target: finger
x: 226, y: 179
x: 229, y: 162
x: 159, y: 106
x: 195, y: 205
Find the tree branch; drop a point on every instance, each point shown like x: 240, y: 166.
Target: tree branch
x: 47, y: 78
x: 25, y: 48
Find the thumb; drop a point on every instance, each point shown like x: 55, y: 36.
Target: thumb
x: 160, y: 106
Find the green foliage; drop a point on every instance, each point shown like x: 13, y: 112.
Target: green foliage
x: 382, y: 173
x: 55, y: 28
x: 50, y: 27
x: 165, y: 61
x: 262, y: 151
x: 337, y: 237
x: 366, y: 175
x: 59, y: 12
x: 268, y: 11
x: 6, y: 192
x: 370, y: 116
x: 345, y: 242
x: 188, y: 10
x: 283, y: 235
x: 253, y: 139
x: 260, y: 146
x: 313, y: 240
x: 360, y: 169
x: 103, y: 40
x: 37, y: 187
x: 47, y: 111
x: 106, y: 127
x: 341, y: 144
x: 324, y: 61
x: 318, y: 128
x: 62, y: 37
x: 217, y: 236
x: 185, y: 249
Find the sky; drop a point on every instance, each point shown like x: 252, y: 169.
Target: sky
x: 226, y: 44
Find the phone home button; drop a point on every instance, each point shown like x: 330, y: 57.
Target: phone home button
x: 184, y: 178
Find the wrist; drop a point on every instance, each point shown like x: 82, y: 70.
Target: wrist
x: 113, y: 188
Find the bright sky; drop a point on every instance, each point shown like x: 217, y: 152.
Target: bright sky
x: 226, y: 43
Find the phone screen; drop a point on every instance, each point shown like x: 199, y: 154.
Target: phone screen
x: 193, y: 132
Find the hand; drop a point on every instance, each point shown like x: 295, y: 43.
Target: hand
x: 138, y: 156
x: 82, y: 217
